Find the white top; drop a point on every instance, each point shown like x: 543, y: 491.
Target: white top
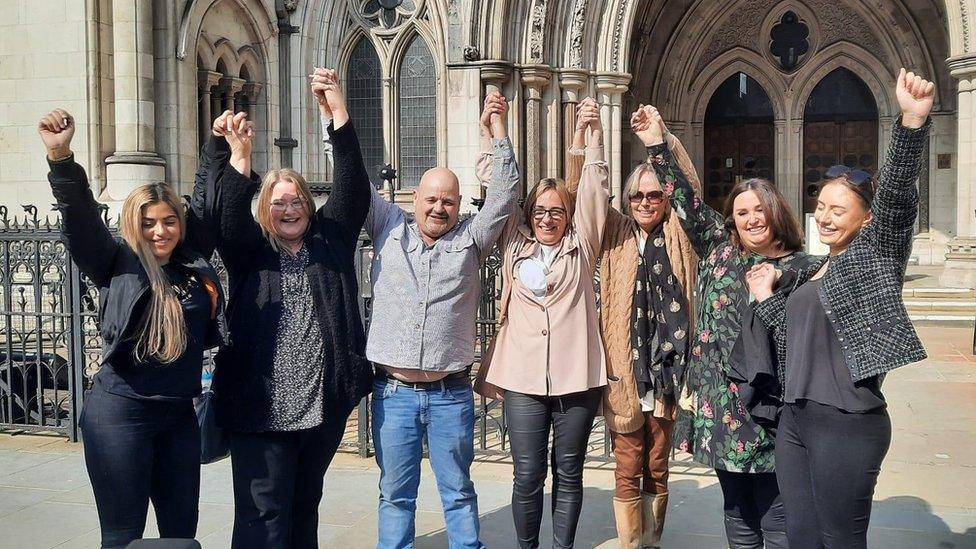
x: 533, y: 271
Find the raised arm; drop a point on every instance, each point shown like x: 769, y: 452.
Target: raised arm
x: 83, y: 232
x: 895, y: 205
x: 349, y: 201
x: 703, y: 225
x: 501, y: 198
x: 238, y: 235
x: 592, y: 196
x: 202, y: 214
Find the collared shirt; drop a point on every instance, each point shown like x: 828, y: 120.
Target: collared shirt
x: 425, y: 298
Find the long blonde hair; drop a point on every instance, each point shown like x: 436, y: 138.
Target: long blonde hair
x: 264, y: 204
x: 161, y: 333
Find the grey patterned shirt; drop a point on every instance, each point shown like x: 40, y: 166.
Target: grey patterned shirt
x: 425, y: 299
x: 297, y: 375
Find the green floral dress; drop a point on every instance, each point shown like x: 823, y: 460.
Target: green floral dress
x: 720, y: 433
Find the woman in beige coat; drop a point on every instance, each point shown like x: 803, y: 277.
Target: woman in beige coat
x: 547, y: 360
x: 646, y: 244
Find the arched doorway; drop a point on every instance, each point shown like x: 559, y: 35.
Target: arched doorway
x: 840, y: 126
x: 739, y: 137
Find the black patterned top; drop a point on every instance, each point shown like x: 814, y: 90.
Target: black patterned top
x: 719, y: 433
x: 297, y: 375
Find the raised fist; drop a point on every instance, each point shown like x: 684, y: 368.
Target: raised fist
x: 916, y: 96
x: 57, y: 128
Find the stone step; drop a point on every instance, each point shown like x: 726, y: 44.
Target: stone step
x: 940, y: 304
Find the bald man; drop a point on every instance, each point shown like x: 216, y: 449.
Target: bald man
x: 421, y: 338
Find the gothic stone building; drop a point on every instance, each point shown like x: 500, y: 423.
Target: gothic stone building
x: 781, y: 89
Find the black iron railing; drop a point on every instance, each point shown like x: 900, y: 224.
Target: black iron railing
x: 50, y: 346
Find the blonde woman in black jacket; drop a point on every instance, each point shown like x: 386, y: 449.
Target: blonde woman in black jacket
x: 840, y: 326
x: 160, y: 306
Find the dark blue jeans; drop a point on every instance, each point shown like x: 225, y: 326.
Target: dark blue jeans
x: 137, y: 451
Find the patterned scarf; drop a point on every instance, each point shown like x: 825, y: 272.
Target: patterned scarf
x: 659, y: 321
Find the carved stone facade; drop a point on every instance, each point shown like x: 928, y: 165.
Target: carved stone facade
x: 142, y: 100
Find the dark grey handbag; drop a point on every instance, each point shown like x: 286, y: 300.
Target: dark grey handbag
x: 214, y: 443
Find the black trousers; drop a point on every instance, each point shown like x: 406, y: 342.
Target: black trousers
x: 141, y: 450
x: 278, y: 479
x: 529, y: 419
x: 827, y: 464
x: 754, y: 511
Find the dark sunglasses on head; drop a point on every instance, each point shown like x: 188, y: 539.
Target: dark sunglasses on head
x: 654, y: 197
x: 856, y: 177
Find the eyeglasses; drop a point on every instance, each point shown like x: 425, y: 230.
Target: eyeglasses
x: 653, y: 197
x: 279, y: 206
x: 856, y: 177
x: 557, y: 213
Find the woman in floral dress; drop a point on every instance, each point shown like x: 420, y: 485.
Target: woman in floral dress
x: 756, y: 226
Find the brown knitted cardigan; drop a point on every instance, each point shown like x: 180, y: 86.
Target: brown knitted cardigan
x: 618, y: 275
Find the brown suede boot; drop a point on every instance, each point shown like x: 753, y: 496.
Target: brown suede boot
x: 627, y: 513
x: 655, y: 507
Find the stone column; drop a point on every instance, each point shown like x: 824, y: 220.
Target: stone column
x: 535, y: 78
x: 494, y: 76
x: 249, y: 92
x: 135, y: 161
x: 206, y: 80
x: 231, y: 85
x: 611, y: 87
x: 960, y: 265
x: 573, y: 82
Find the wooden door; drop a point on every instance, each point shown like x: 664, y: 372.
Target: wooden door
x: 734, y: 153
x: 853, y: 144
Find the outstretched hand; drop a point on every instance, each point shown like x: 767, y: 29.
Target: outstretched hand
x: 328, y: 94
x: 57, y: 128
x: 494, y: 115
x: 916, y: 96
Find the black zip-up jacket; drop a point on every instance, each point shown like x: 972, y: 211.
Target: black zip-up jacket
x: 113, y: 267
x: 242, y: 381
x: 861, y: 291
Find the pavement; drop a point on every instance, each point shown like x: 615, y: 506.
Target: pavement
x: 926, y: 496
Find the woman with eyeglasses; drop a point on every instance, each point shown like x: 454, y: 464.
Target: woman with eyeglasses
x: 647, y: 276
x: 294, y: 369
x: 755, y: 227
x: 841, y: 325
x: 547, y: 360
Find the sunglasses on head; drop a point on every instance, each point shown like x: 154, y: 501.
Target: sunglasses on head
x: 856, y: 177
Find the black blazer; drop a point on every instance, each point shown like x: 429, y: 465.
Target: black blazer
x: 112, y: 266
x: 242, y: 381
x: 861, y: 292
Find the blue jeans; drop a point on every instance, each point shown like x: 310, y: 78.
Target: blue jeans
x: 401, y: 416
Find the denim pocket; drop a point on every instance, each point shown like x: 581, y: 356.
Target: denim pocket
x: 383, y: 389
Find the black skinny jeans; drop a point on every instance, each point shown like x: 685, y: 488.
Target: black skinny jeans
x: 141, y: 450
x: 753, y: 508
x: 278, y: 479
x: 828, y: 495
x: 530, y: 418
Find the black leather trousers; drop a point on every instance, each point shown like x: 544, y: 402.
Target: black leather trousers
x: 530, y: 418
